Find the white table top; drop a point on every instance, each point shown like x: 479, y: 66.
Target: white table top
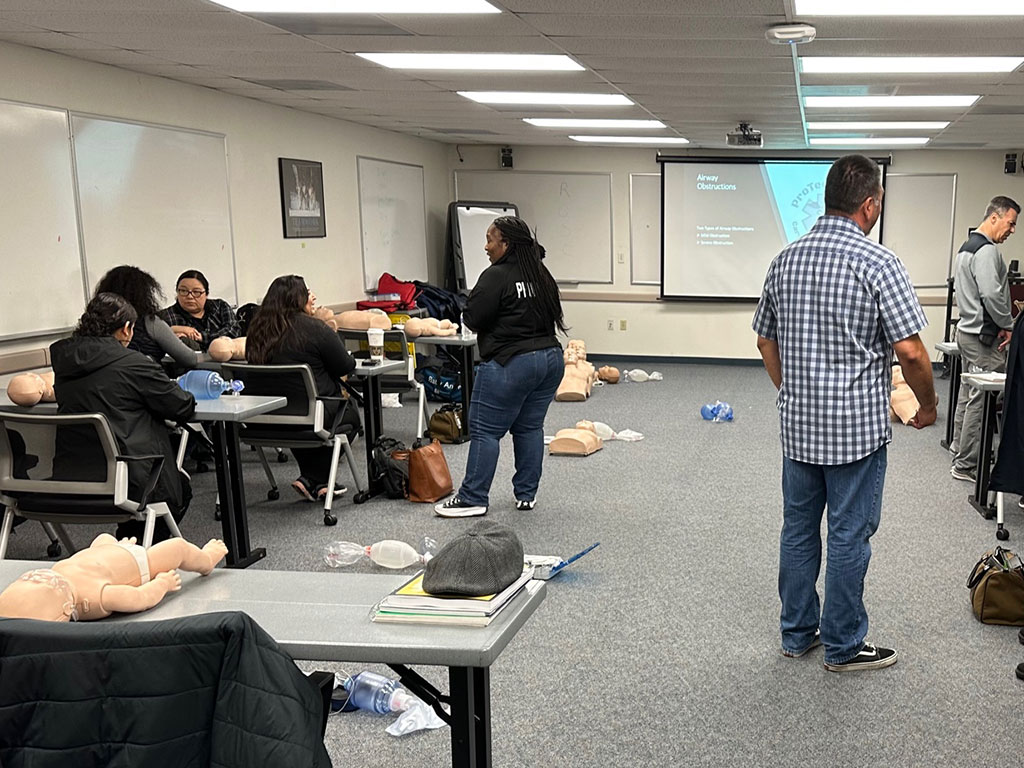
x: 948, y: 348
x: 326, y: 616
x: 446, y: 341
x: 387, y: 366
x: 986, y: 382
x: 224, y: 408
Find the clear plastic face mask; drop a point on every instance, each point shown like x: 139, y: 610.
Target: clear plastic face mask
x: 57, y: 582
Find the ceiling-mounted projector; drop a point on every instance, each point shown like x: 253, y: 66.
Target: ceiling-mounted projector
x: 744, y: 136
x: 790, y: 34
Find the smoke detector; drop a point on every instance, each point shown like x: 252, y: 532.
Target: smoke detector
x: 790, y: 34
x: 744, y: 136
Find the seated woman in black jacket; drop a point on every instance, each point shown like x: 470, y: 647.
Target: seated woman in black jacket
x: 94, y: 372
x: 284, y: 332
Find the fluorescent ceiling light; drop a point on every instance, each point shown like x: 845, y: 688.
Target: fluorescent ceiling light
x: 531, y: 97
x: 869, y: 102
x: 491, y: 62
x: 359, y: 6
x: 905, y: 8
x: 660, y: 140
x: 567, y: 122
x: 865, y: 142
x: 879, y: 125
x: 858, y: 65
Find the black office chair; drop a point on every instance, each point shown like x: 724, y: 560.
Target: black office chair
x: 299, y: 424
x: 67, y: 469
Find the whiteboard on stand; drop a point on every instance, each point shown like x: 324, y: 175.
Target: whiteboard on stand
x: 392, y: 220
x: 571, y: 213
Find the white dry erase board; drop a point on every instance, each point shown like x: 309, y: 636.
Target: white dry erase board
x: 571, y: 212
x: 473, y: 222
x: 645, y: 228
x: 41, y: 289
x: 917, y: 224
x: 157, y: 198
x: 393, y: 220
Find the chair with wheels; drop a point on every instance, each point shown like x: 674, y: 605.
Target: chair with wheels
x: 67, y: 469
x: 299, y: 424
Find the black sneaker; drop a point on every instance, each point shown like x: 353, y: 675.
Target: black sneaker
x: 525, y: 506
x: 1020, y: 636
x: 456, y: 507
x: 870, y: 657
x: 797, y: 654
x: 339, y: 490
x: 961, y: 474
x: 1020, y: 671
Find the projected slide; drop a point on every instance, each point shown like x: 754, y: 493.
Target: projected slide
x: 725, y: 222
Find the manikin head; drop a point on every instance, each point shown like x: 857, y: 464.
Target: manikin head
x: 40, y: 594
x: 28, y: 389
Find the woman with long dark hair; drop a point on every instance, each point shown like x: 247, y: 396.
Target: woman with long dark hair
x: 195, y: 316
x: 96, y: 371
x: 284, y: 332
x: 515, y: 310
x: 153, y: 337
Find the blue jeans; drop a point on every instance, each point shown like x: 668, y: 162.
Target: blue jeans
x: 853, y: 494
x: 511, y: 398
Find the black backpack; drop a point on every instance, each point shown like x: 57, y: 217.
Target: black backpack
x: 391, y: 466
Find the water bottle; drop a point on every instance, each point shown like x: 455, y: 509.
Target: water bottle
x: 717, y: 411
x: 207, y: 385
x: 373, y: 693
x: 464, y: 332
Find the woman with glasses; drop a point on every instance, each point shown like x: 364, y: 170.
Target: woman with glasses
x: 197, y: 318
x: 153, y: 337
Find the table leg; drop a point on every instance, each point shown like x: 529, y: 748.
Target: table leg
x: 983, y: 469
x: 373, y: 420
x: 466, y: 377
x: 955, y: 370
x: 234, y: 516
x: 469, y: 690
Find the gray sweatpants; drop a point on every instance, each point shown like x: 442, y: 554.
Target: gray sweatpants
x: 976, y: 358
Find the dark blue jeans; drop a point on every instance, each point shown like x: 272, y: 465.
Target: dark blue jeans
x: 853, y: 494
x: 511, y: 398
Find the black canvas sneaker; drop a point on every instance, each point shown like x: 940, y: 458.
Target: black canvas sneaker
x: 525, y: 506
x: 870, y: 657
x: 456, y: 507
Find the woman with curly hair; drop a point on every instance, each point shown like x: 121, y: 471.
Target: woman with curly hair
x: 152, y: 337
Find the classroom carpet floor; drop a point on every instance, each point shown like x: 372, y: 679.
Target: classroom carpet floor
x: 661, y: 647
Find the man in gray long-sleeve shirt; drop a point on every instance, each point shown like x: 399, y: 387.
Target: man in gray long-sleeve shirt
x: 983, y: 332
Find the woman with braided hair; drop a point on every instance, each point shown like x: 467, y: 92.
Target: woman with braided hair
x: 516, y: 311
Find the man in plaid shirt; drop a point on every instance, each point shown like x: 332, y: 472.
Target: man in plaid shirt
x: 835, y: 305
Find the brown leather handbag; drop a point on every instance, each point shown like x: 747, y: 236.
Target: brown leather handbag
x: 997, y: 588
x: 429, y: 478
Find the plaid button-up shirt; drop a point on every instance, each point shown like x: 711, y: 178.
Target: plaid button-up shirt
x: 835, y: 302
x: 218, y: 320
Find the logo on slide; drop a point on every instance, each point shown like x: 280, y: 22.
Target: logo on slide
x: 798, y: 191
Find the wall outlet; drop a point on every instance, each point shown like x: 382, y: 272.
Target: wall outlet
x: 611, y: 325
x: 622, y: 258
x: 622, y: 325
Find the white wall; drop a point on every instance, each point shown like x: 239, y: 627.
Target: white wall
x: 257, y: 135
x: 709, y: 329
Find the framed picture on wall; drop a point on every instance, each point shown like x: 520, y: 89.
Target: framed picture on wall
x: 302, y: 198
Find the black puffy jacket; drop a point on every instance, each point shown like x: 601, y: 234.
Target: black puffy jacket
x: 206, y: 690
x: 98, y: 375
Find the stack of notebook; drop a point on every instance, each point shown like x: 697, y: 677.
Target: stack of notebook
x: 409, y: 604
